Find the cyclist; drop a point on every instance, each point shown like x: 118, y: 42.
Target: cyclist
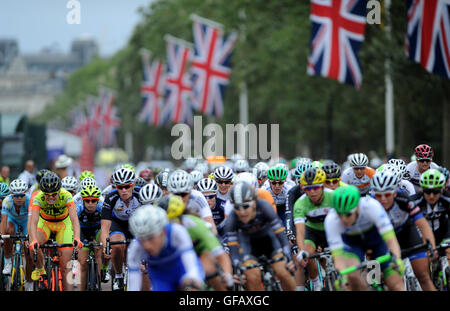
x: 166, y: 249
x: 71, y: 184
x: 434, y: 203
x: 260, y: 170
x: 4, y: 191
x: 406, y: 219
x: 34, y: 189
x: 150, y: 193
x: 208, y: 187
x: 446, y: 174
x: 53, y: 211
x: 241, y: 166
x: 147, y: 174
x: 333, y: 172
x: 254, y: 229
x: 119, y: 204
x: 223, y: 176
x: 196, y: 177
x: 358, y: 174
x: 356, y: 224
x: 15, y: 215
x: 180, y: 183
x: 310, y: 211
x: 161, y: 180
x: 86, y: 173
x: 89, y: 215
x: 424, y: 161
x: 405, y: 184
x: 86, y: 182
x: 206, y: 245
x: 140, y: 182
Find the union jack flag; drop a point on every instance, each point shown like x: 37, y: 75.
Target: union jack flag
x: 211, y: 65
x: 337, y: 33
x: 428, y: 38
x: 110, y: 121
x: 178, y: 97
x: 152, y: 91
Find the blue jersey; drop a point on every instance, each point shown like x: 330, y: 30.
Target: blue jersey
x: 18, y: 218
x: 87, y: 219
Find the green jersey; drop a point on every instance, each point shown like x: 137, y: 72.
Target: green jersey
x: 202, y: 237
x: 313, y: 216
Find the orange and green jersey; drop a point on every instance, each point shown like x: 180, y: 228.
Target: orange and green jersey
x: 54, y: 212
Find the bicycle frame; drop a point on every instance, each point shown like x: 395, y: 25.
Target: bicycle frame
x: 51, y: 264
x: 17, y: 279
x: 93, y: 278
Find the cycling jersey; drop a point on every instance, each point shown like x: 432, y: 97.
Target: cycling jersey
x: 281, y: 198
x: 223, y: 197
x: 167, y: 270
x: 363, y: 183
x: 198, y: 204
x: 18, y: 218
x: 313, y: 216
x: 414, y: 171
x: 293, y: 194
x: 407, y: 187
x: 90, y: 222
x: 54, y: 212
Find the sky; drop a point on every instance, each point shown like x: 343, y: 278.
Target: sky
x: 43, y: 23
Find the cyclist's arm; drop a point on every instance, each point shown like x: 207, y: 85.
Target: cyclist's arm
x: 135, y: 254
x: 3, y: 223
x: 299, y: 221
x: 34, y: 219
x: 426, y: 231
x: 277, y: 227
x: 232, y: 238
x: 74, y: 219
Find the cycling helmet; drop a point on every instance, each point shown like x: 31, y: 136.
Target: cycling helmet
x: 241, y: 166
x: 316, y: 164
x: 146, y: 173
x: 432, y: 178
x: 277, y: 173
x: 41, y: 173
x: 18, y: 186
x: 401, y: 165
x: 242, y: 193
x: 147, y: 221
x: 331, y: 169
x: 162, y: 178
x: 88, y: 181
x: 301, y: 167
x: 423, y: 152
x: 90, y: 191
x: 444, y: 171
x: 85, y: 174
x: 128, y: 165
x: 196, y: 176
x: 173, y: 205
x: 207, y: 185
x: 247, y: 177
x: 261, y: 170
x: 359, y: 160
x: 149, y: 194
x: 345, y: 199
x: 180, y: 181
x: 386, y: 180
x: 4, y: 189
x: 123, y: 176
x: 223, y: 172
x: 313, y: 176
x: 189, y: 164
x: 140, y: 182
x: 70, y: 183
x: 50, y: 183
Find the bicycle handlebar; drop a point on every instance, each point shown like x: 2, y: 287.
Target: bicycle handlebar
x: 409, y: 251
x: 15, y: 236
x: 109, y: 243
x: 381, y: 259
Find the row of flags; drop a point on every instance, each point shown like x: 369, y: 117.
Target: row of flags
x: 338, y: 29
x: 194, y: 76
x: 100, y: 123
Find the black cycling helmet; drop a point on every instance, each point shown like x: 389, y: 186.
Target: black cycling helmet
x: 331, y: 169
x: 242, y: 193
x: 162, y: 178
x: 50, y: 182
x: 41, y: 173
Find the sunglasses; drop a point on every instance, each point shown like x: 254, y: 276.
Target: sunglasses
x: 54, y: 194
x: 359, y: 168
x: 122, y: 187
x: 211, y: 196
x: 387, y: 195
x: 424, y: 160
x: 347, y: 215
x: 243, y: 206
x: 182, y: 194
x: 19, y: 195
x: 87, y: 200
x: 333, y: 181
x: 277, y: 182
x: 432, y: 191
x: 223, y: 182
x: 311, y: 188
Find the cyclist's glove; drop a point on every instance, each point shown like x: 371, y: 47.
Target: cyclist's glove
x: 77, y: 242
x: 33, y: 245
x: 302, y: 255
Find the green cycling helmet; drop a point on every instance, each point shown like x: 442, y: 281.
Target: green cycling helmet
x: 317, y: 164
x: 345, y: 199
x: 90, y: 191
x: 277, y: 173
x: 4, y: 189
x: 432, y: 179
x: 85, y: 174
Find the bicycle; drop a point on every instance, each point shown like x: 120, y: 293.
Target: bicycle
x: 411, y: 282
x: 93, y: 281
x: 267, y: 273
x: 3, y: 278
x: 440, y: 270
x: 16, y: 280
x: 331, y: 274
x: 125, y: 268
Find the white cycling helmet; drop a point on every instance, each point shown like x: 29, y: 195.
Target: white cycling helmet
x: 241, y: 166
x: 147, y: 221
x: 207, y: 185
x: 261, y: 169
x: 88, y: 181
x: 400, y: 164
x: 179, y: 181
x: 247, y: 177
x: 150, y: 193
x: 123, y: 176
x: 196, y: 176
x: 189, y: 163
x: 223, y: 172
x: 70, y: 183
x: 18, y: 186
x: 385, y: 180
x: 359, y: 160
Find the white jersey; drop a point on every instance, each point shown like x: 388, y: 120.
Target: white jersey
x: 414, y: 171
x: 280, y: 198
x: 407, y: 187
x: 197, y: 203
x: 363, y: 183
x: 371, y: 213
x: 223, y: 197
x: 79, y: 200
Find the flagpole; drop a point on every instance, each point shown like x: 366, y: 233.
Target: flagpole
x: 389, y: 95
